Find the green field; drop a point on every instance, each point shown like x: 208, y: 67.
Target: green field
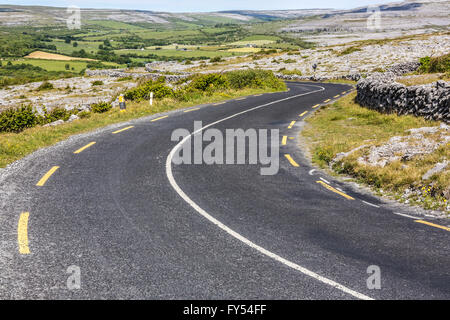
x: 54, y: 65
x: 68, y: 48
x: 125, y: 44
x: 177, y: 53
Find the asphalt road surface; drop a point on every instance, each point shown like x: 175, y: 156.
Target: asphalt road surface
x: 137, y: 226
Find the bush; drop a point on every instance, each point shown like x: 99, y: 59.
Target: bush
x: 291, y: 72
x: 254, y: 79
x: 216, y: 59
x: 209, y: 82
x: 142, y: 92
x: 56, y: 114
x: 17, y: 119
x: 349, y: 50
x: 435, y: 65
x: 97, y: 83
x: 45, y: 86
x: 101, y: 107
x: 84, y: 114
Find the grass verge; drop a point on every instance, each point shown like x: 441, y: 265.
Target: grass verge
x: 344, y: 126
x: 14, y: 146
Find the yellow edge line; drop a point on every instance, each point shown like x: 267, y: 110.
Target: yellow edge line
x: 335, y: 191
x: 284, y: 141
x: 336, y: 96
x: 432, y: 224
x: 44, y: 179
x: 186, y: 111
x: 328, y: 100
x: 316, y: 106
x: 121, y: 130
x: 158, y: 118
x: 218, y: 104
x: 344, y: 92
x: 22, y: 233
x: 295, y: 164
x: 291, y: 125
x: 85, y: 147
x: 303, y: 113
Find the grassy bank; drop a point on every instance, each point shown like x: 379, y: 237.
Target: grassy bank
x: 14, y: 146
x: 344, y: 126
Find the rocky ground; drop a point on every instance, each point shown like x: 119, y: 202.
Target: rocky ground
x: 331, y: 62
x: 67, y: 93
x: 419, y: 142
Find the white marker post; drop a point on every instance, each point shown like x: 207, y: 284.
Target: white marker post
x: 151, y: 98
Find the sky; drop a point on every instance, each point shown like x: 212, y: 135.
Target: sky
x: 201, y: 5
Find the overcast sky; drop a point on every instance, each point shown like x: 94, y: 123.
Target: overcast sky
x: 201, y: 5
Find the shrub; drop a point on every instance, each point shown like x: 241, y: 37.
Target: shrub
x: 291, y: 72
x: 210, y: 82
x: 254, y: 79
x: 17, y: 119
x: 84, y: 114
x: 435, y: 65
x: 125, y: 78
x: 349, y: 50
x: 45, y: 86
x: 55, y: 114
x: 142, y: 92
x: 97, y: 83
x: 101, y: 107
x: 216, y: 59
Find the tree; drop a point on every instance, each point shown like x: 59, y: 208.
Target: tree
x: 67, y: 66
x: 75, y: 44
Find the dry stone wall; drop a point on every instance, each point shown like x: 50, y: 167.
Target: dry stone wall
x: 382, y: 93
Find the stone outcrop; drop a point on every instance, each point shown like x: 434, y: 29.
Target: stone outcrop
x: 294, y: 77
x: 382, y: 93
x: 121, y: 73
x: 419, y: 142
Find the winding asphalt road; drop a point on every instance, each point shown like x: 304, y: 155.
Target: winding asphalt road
x: 139, y: 227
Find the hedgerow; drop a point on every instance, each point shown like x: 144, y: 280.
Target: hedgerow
x: 207, y: 84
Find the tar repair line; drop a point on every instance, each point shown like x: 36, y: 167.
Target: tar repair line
x: 236, y: 235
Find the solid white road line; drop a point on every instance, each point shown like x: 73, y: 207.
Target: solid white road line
x: 324, y: 180
x: 370, y: 204
x: 233, y: 233
x: 405, y: 215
